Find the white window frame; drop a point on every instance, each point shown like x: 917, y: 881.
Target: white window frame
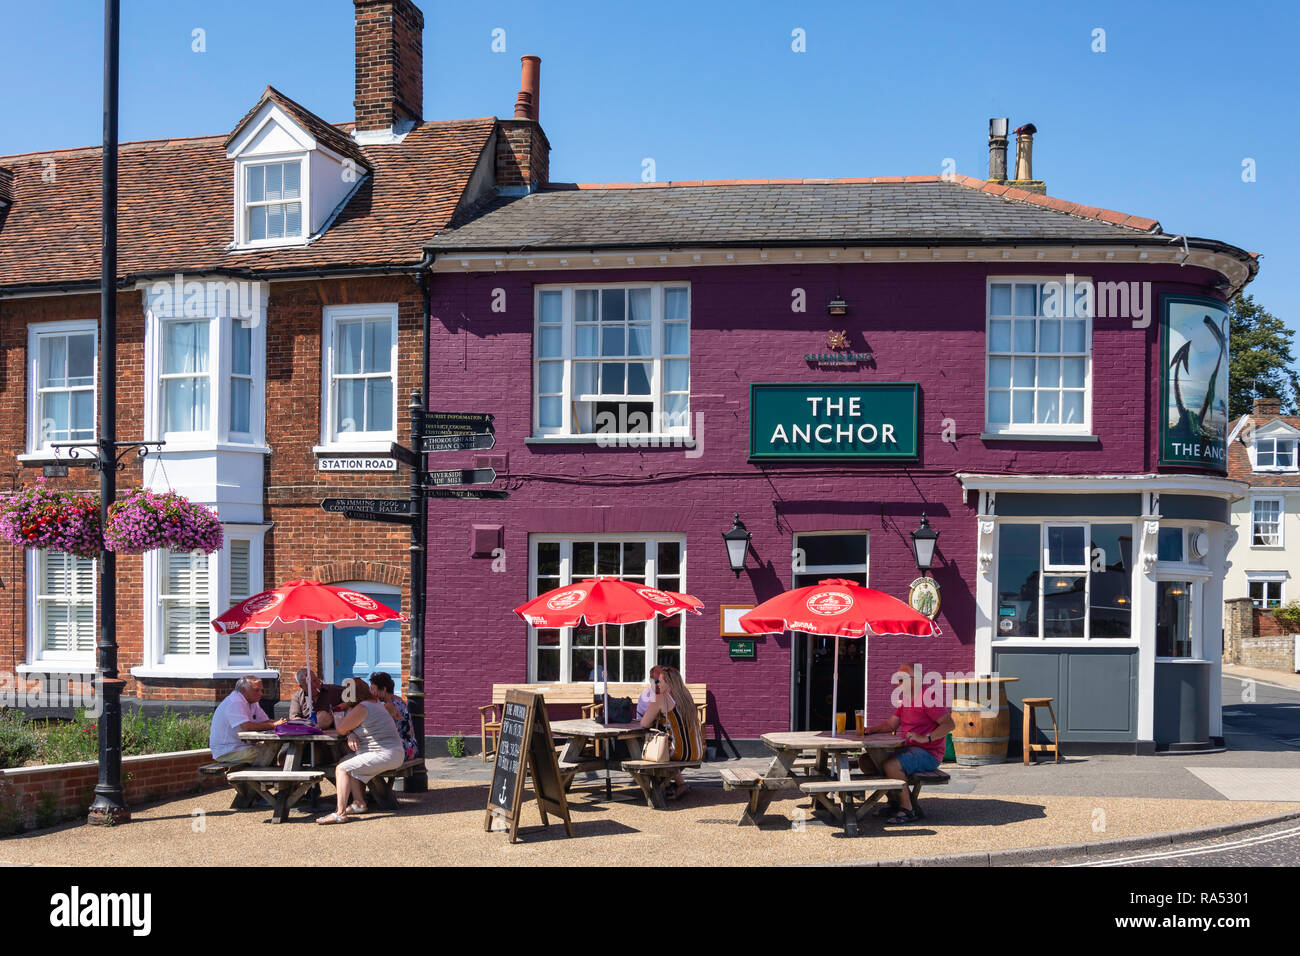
x: 1198, y: 586
x: 242, y: 240
x: 1041, y: 640
x: 376, y: 441
x: 36, y: 448
x: 656, y: 359
x: 1281, y: 522
x: 1289, y: 439
x: 217, y: 663
x: 1268, y: 577
x: 217, y: 435
x: 565, y: 541
x: 76, y: 661
x: 1012, y: 428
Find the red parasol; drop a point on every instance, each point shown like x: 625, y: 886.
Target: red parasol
x: 601, y: 601
x: 303, y: 603
x: 838, y: 608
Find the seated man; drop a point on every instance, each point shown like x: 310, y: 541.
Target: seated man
x: 923, y: 730
x: 324, y: 698
x: 237, y: 713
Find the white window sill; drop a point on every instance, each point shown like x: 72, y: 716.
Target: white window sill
x: 612, y: 440
x: 1267, y: 547
x: 221, y: 673
x: 173, y: 447
x: 383, y: 447
x: 48, y: 456
x: 1181, y: 660
x: 1038, y: 436
x: 297, y: 242
x: 56, y: 667
x: 1065, y: 641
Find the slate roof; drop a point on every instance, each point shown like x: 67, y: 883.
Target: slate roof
x: 913, y: 209
x: 176, y: 207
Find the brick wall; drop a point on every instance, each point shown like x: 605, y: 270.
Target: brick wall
x: 390, y: 63
x: 72, y: 785
x: 303, y: 541
x: 523, y: 154
x: 1255, y: 638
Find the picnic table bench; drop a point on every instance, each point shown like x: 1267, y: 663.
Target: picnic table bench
x: 380, y: 787
x: 245, y: 795
x: 652, y: 776
x: 580, y: 695
x: 846, y: 811
x: 281, y: 788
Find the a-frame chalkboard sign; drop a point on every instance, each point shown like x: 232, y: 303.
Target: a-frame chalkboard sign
x: 525, y: 749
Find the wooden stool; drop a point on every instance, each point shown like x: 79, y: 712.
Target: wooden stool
x: 1029, y: 703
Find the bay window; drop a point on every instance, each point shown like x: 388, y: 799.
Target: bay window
x: 573, y: 654
x: 61, y: 589
x: 612, y: 360
x: 1038, y: 375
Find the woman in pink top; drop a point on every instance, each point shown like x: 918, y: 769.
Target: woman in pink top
x: 923, y: 730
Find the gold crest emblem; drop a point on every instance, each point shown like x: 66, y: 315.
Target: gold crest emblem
x: 838, y: 341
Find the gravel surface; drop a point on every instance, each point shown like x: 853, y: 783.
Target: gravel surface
x: 445, y: 826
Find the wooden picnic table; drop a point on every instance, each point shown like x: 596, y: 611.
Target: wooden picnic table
x: 824, y: 788
x: 283, y: 787
x: 585, y: 731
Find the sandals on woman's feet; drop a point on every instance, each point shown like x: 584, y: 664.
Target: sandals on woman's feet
x: 355, y: 807
x: 902, y: 816
x: 333, y: 818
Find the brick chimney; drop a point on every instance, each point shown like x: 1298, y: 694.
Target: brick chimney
x: 390, y: 65
x: 998, y: 149
x: 523, y: 153
x: 1265, y: 409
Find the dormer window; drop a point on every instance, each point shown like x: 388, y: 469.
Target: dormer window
x: 1275, y: 454
x: 273, y: 201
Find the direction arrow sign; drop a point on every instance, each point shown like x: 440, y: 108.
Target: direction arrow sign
x: 461, y: 476
x: 457, y: 423
x: 404, y: 455
x: 479, y: 441
x: 387, y: 516
x: 452, y: 493
x: 392, y: 506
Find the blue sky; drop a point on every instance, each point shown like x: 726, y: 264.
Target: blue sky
x: 1157, y: 125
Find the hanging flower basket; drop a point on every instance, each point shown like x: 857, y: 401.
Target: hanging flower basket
x: 40, y: 517
x: 146, y: 520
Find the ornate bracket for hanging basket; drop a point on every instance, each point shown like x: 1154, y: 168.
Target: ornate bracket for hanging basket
x: 81, y: 452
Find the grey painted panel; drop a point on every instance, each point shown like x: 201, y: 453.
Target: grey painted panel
x: 1191, y: 507
x: 1067, y: 506
x: 1182, y: 704
x: 1093, y: 691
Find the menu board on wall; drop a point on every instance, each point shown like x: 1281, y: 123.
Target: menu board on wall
x: 1194, y: 382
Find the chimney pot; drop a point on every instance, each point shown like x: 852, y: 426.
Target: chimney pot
x: 1025, y: 152
x: 998, y: 149
x: 528, y: 104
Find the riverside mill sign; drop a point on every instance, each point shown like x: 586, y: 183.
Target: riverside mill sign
x: 860, y: 420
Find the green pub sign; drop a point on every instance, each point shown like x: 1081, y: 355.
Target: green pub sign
x: 860, y: 420
x: 742, y: 650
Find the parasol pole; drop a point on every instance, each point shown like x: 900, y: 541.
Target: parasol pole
x: 866, y: 679
x: 306, y: 648
x: 604, y: 684
x: 835, y: 686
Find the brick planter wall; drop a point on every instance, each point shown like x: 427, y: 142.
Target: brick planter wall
x: 1255, y: 638
x: 147, y: 777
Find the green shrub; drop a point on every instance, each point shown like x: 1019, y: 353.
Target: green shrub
x: 68, y: 741
x: 19, y: 741
x: 456, y: 745
x: 1288, y: 615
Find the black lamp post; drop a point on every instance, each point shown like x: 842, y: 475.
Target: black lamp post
x: 924, y: 539
x: 736, y: 539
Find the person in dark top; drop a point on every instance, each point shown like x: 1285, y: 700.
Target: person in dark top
x: 324, y: 698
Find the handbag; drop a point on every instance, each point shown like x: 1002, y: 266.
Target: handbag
x: 657, y: 748
x: 621, y: 710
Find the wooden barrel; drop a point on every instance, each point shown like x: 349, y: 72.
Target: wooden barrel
x: 981, y: 735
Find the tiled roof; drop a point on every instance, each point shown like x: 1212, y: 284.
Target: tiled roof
x: 176, y: 206
x: 786, y: 211
x: 334, y: 138
x: 1239, y: 457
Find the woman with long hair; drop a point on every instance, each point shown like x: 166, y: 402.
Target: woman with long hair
x: 673, y: 711
x: 378, y: 745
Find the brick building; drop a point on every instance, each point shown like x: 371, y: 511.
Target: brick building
x: 657, y: 359
x: 271, y: 306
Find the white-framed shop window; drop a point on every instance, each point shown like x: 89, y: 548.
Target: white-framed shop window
x: 1038, y: 375
x: 359, y: 376
x: 61, y: 377
x: 1267, y: 516
x: 1177, y: 618
x: 573, y: 654
x: 1267, y: 589
x: 61, y: 601
x: 612, y: 360
x: 1064, y: 581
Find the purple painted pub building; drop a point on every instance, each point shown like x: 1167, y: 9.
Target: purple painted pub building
x: 835, y: 362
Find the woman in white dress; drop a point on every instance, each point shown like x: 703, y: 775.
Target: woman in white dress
x: 377, y: 743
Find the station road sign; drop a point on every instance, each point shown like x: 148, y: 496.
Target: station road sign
x: 480, y: 494
x: 477, y: 441
x: 391, y: 506
x: 457, y: 423
x: 461, y: 476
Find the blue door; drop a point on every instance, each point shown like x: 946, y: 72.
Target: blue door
x: 360, y: 651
